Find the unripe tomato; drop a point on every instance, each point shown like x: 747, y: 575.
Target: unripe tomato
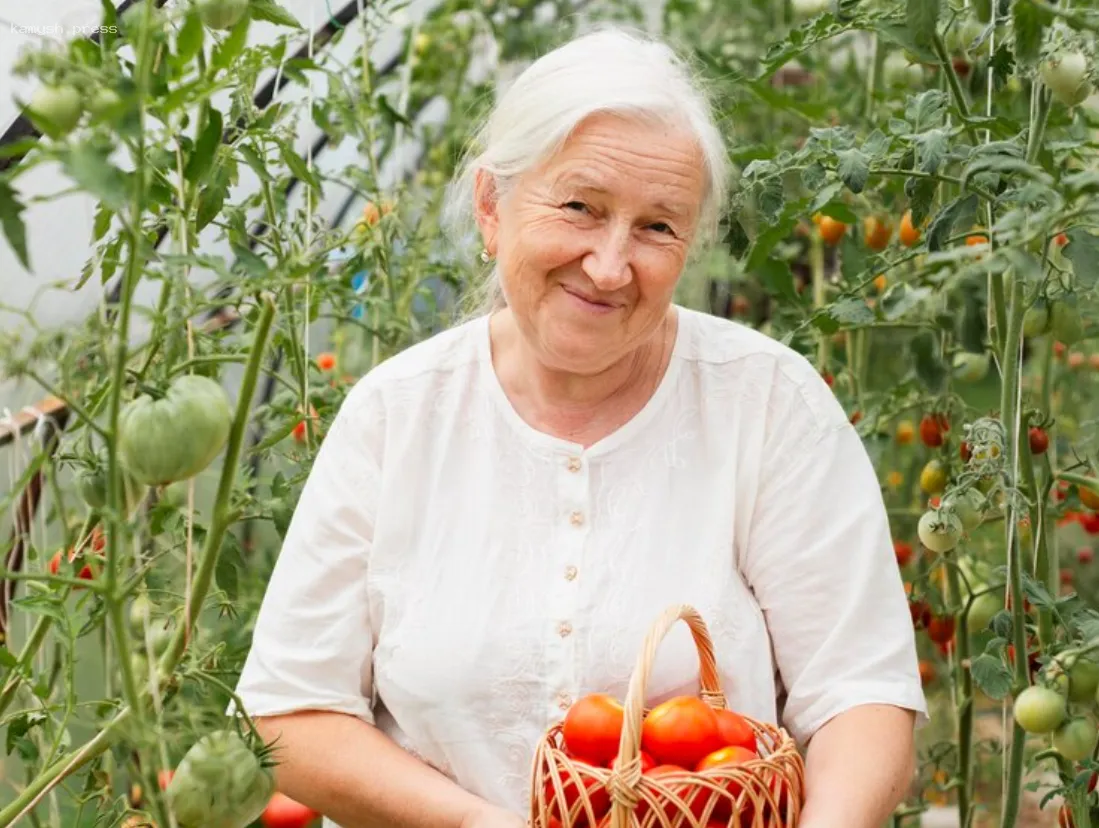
x: 970, y: 367
x: 1036, y: 319
x: 933, y: 478
x: 906, y: 432
x: 967, y: 506
x: 219, y: 783
x: 1083, y: 678
x: 1075, y: 739
x: 221, y: 14
x: 1066, y: 76
x: 1039, y: 440
x: 60, y: 106
x: 981, y: 612
x: 909, y: 234
x: 939, y: 531
x: 876, y: 233
x: 1065, y: 323
x: 593, y: 727
x: 1040, y: 709
x: 175, y: 437
x: 831, y: 230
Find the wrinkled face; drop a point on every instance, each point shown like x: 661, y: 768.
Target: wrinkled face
x: 590, y: 244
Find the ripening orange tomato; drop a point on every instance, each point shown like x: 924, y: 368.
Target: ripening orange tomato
x: 831, y: 230
x: 326, y: 361
x: 876, y: 233
x: 593, y: 728
x: 908, y: 234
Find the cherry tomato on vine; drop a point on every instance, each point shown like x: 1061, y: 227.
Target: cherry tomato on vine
x: 284, y: 812
x: 1039, y: 440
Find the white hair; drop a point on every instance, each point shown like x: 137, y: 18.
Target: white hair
x: 612, y: 69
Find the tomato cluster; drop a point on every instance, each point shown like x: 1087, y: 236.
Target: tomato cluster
x: 680, y: 738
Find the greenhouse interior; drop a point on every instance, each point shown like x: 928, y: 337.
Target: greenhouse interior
x: 749, y: 256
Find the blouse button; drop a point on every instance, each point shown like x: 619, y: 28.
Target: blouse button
x: 574, y: 464
x: 564, y: 629
x: 570, y: 573
x: 576, y: 518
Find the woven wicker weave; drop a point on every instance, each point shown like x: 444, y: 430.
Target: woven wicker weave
x: 763, y: 793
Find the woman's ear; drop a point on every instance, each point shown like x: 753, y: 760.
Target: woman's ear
x: 485, y: 209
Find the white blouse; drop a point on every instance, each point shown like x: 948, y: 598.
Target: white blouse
x: 458, y: 578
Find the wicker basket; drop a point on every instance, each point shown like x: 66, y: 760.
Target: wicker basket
x: 763, y: 793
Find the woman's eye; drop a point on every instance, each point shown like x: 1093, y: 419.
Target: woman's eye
x: 661, y: 227
x: 576, y: 205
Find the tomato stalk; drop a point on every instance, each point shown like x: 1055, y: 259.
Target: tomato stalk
x: 963, y: 680
x: 956, y: 91
x: 816, y: 264
x: 1008, y: 412
x: 222, y: 515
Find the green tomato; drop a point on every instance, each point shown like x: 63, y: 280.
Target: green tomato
x: 176, y: 437
x: 1065, y: 322
x: 967, y: 506
x: 1036, y: 319
x: 1083, y: 680
x: 55, y: 110
x: 1040, y: 709
x: 91, y: 483
x: 938, y: 530
x: 1076, y: 739
x: 141, y: 611
x: 1067, y: 77
x: 219, y: 783
x: 983, y: 609
x: 221, y: 14
x: 103, y: 103
x: 971, y: 367
x: 897, y: 70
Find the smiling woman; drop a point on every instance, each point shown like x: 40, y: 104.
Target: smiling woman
x: 497, y: 514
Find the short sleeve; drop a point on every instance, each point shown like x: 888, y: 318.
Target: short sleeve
x: 820, y: 562
x: 312, y: 643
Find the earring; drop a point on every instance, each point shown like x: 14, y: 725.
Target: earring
x: 484, y: 256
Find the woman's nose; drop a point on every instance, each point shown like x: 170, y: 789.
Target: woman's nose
x: 608, y: 263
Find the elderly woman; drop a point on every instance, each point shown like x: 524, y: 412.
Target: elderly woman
x: 498, y: 514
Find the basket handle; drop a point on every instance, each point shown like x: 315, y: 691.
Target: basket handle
x: 626, y: 771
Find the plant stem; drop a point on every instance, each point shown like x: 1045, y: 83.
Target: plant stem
x: 816, y: 263
x: 1008, y: 395
x: 964, y: 681
x: 219, y: 523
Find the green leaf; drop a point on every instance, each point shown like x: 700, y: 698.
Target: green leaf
x: 11, y: 219
x: 387, y: 109
x: 854, y: 169
x: 771, y: 198
x: 1083, y: 251
x: 298, y: 166
x: 89, y: 168
x: 971, y: 334
x: 206, y: 147
x: 45, y: 604
x: 851, y: 312
x: 992, y: 676
x: 272, y: 12
x: 928, y: 362
x: 211, y: 197
x: 840, y: 212
x: 922, y: 17
x: 7, y: 660
x: 1037, y: 593
x: 814, y: 178
x: 229, y: 563
x: 765, y: 242
x: 932, y: 148
x: 736, y: 239
x: 190, y: 38
x: 824, y: 196
x: 1028, y: 22
x: 901, y: 36
x: 901, y: 299
x: 1002, y: 625
x: 230, y: 48
x: 103, y: 216
x: 777, y: 279
x: 942, y: 226
x: 925, y: 110
x: 920, y: 192
x: 877, y: 145
x: 252, y: 263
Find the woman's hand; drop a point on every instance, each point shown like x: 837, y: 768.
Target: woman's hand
x: 490, y: 816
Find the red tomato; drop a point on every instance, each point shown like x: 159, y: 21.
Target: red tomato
x: 932, y: 427
x: 903, y: 551
x: 723, y: 807
x: 326, y: 361
x: 598, y: 796
x: 735, y: 730
x: 681, y: 731
x: 941, y: 630
x: 1085, y: 555
x: 1090, y: 522
x: 284, y: 812
x: 593, y: 728
x: 1039, y: 440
